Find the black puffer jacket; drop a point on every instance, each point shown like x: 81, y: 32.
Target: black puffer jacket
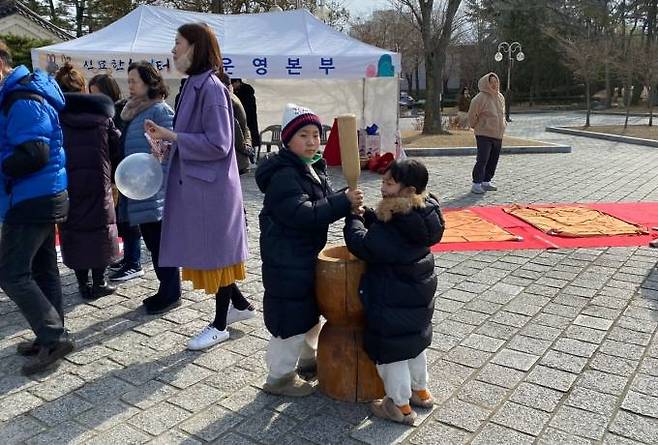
x: 297, y: 211
x: 89, y: 236
x: 397, y: 289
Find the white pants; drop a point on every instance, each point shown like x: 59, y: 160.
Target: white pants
x: 400, y: 378
x: 282, y: 354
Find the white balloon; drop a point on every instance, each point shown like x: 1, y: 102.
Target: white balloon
x: 139, y: 176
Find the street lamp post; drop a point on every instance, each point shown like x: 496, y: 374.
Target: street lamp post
x: 510, y: 49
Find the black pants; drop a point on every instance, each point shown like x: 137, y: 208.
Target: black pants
x: 30, y: 277
x: 132, y: 245
x: 487, y: 158
x: 169, y: 277
x: 224, y: 296
x: 97, y: 276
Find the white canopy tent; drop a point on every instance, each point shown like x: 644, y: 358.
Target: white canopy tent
x: 286, y: 56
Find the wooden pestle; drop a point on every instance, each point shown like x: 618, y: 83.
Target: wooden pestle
x: 349, y: 149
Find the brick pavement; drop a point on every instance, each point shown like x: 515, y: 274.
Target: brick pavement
x: 548, y: 347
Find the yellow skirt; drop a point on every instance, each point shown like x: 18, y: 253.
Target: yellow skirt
x: 212, y: 280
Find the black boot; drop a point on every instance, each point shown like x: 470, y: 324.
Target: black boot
x: 159, y: 306
x: 149, y: 300
x: 48, y: 357
x: 28, y: 348
x: 85, y: 292
x: 84, y: 288
x: 102, y: 289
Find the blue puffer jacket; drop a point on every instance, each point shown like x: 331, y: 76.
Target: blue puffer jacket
x: 33, y: 174
x: 147, y: 210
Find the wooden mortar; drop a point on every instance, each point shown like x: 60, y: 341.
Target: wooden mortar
x: 345, y: 372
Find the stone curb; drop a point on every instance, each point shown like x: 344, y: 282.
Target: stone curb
x: 545, y: 111
x: 471, y: 151
x: 620, y: 113
x: 605, y: 136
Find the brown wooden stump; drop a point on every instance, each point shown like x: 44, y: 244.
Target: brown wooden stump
x: 345, y: 372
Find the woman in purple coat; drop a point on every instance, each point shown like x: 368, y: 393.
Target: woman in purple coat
x: 203, y: 228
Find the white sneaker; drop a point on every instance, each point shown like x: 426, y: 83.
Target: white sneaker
x: 234, y: 315
x: 210, y: 336
x: 489, y: 186
x: 477, y: 188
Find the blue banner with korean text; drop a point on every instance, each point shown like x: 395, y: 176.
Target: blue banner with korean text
x: 251, y: 67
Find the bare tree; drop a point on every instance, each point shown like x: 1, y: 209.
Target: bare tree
x: 396, y: 31
x: 83, y: 16
x: 624, y: 62
x: 436, y: 23
x: 586, y: 57
x: 646, y: 65
x: 338, y: 14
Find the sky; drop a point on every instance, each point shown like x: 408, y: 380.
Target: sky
x: 360, y: 8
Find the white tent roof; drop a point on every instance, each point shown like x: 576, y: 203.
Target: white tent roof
x: 290, y: 44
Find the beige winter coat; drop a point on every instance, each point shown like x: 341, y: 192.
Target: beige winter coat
x: 486, y: 115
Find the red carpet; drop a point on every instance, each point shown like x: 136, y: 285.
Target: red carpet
x: 644, y: 213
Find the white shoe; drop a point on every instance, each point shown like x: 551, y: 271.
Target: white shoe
x: 489, y: 186
x: 210, y: 336
x: 234, y: 315
x: 477, y: 188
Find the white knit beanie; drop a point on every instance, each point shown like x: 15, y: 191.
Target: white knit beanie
x: 296, y: 117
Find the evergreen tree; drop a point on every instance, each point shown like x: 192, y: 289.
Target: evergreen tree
x: 542, y: 74
x: 21, y: 48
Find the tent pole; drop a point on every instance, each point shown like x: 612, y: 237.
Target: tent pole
x: 397, y: 106
x: 363, y: 111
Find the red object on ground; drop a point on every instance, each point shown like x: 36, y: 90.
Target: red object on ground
x: 384, y: 162
x: 331, y: 152
x: 643, y: 213
x: 373, y: 162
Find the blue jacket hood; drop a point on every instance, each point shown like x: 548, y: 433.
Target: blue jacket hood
x: 40, y: 83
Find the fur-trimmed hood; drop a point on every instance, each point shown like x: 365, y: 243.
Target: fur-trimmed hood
x: 78, y: 103
x: 417, y: 217
x: 388, y: 207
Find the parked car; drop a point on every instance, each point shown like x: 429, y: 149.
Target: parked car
x: 406, y: 100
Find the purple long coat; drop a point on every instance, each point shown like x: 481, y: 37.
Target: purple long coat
x: 203, y: 225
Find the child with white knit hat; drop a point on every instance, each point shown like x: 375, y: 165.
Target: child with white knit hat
x: 298, y: 207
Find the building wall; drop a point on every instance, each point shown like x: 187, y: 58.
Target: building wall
x: 454, y: 77
x: 20, y: 26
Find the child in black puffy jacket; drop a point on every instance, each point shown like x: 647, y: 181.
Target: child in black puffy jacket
x: 298, y: 207
x: 397, y: 289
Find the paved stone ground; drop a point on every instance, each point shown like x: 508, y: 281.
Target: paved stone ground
x: 549, y: 347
